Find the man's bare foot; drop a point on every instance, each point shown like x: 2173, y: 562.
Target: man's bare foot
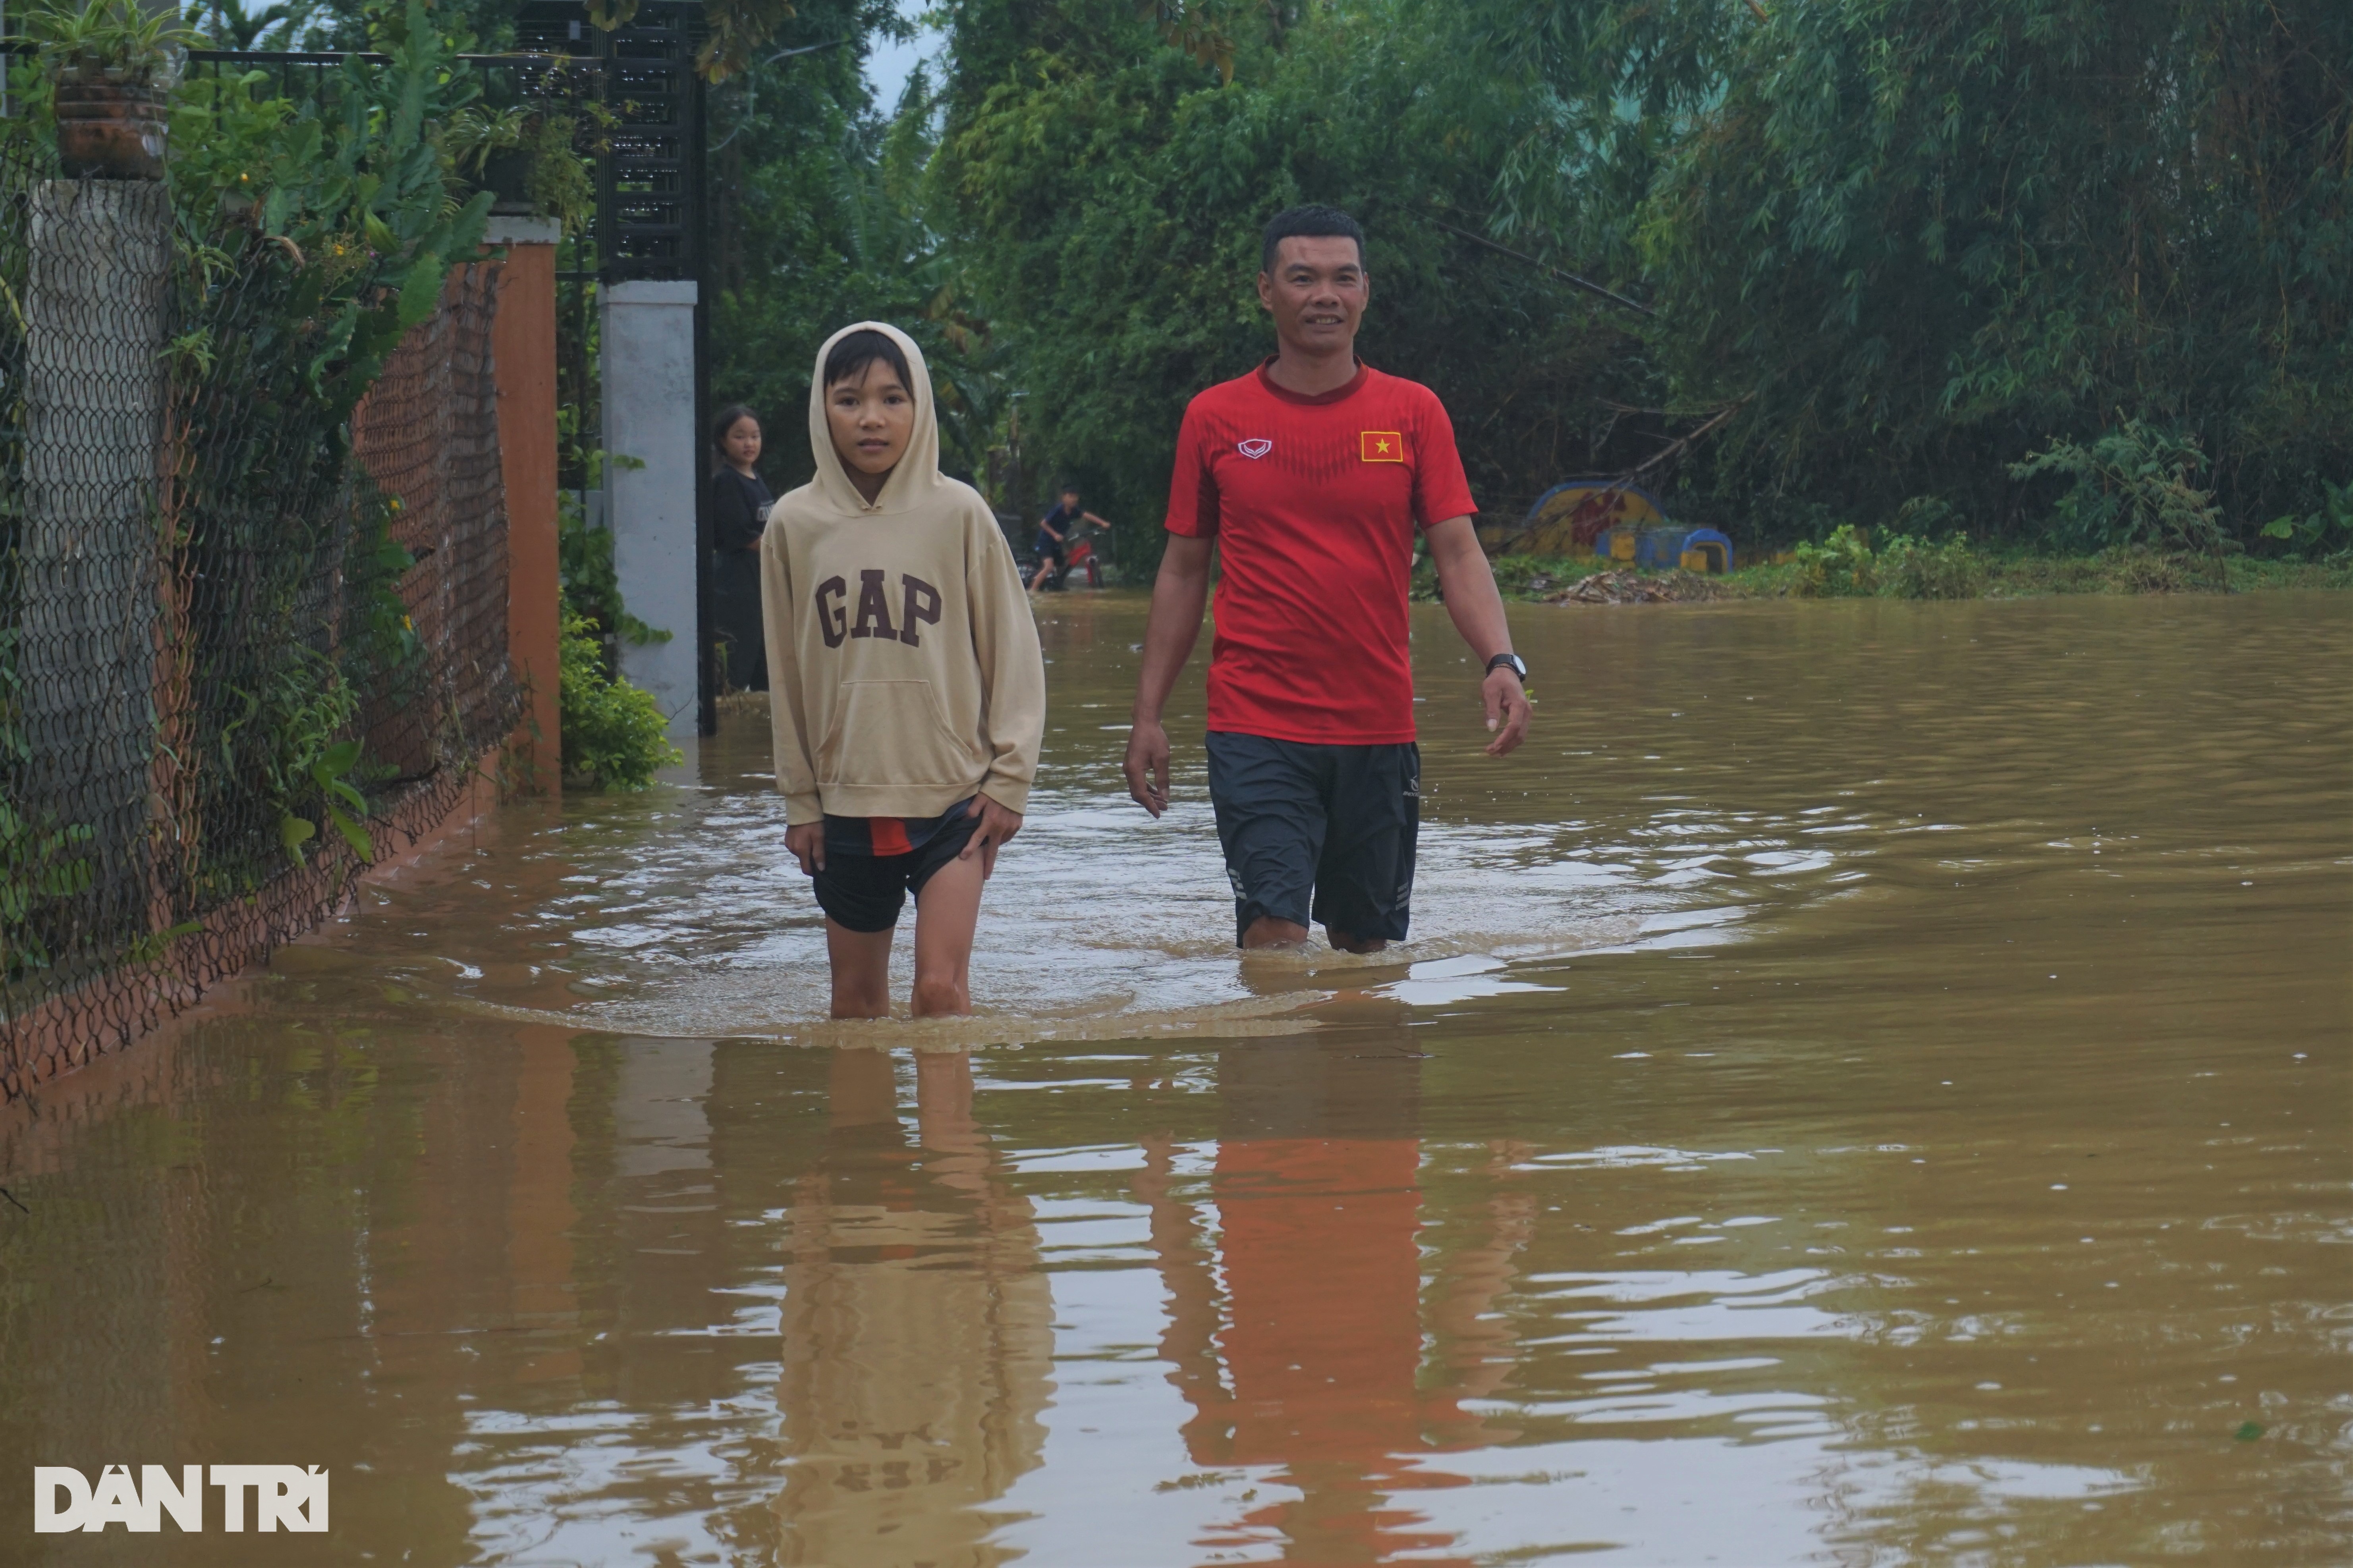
x: 1268, y: 932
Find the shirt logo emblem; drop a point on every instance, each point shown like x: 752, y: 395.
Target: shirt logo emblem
x: 1381, y: 447
x: 1256, y: 447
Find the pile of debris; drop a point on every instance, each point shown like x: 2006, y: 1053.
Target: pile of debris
x: 1627, y: 586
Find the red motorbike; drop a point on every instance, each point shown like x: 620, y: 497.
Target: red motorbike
x: 1080, y: 560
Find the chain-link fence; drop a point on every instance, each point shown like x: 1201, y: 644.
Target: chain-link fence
x: 230, y: 656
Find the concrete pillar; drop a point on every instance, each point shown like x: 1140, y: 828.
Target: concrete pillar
x: 95, y: 310
x: 522, y: 348
x: 653, y: 474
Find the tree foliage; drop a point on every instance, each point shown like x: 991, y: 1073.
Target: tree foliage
x: 1931, y: 235
x: 818, y: 220
x: 1103, y: 172
x: 1923, y: 239
x: 1896, y: 248
x: 356, y: 192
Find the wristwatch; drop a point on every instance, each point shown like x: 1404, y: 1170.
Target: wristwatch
x: 1511, y: 662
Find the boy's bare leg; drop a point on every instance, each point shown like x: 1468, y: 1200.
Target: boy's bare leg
x: 947, y: 911
x: 861, y: 971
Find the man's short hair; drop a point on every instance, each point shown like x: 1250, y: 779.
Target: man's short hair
x: 1311, y: 222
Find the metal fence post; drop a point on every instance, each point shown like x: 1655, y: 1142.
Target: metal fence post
x: 95, y: 315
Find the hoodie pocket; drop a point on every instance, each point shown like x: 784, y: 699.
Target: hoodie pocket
x: 892, y: 732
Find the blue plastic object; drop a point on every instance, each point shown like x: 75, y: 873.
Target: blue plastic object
x: 1664, y: 548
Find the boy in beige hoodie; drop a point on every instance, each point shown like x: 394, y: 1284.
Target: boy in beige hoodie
x: 906, y: 690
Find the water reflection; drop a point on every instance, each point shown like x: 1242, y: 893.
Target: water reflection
x: 917, y: 1327
x: 1296, y: 1318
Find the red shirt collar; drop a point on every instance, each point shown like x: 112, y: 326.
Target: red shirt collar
x: 1337, y: 394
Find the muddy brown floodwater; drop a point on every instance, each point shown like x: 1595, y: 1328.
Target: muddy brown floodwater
x: 1869, y: 1085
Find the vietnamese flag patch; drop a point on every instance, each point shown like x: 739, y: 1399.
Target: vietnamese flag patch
x: 1381, y: 446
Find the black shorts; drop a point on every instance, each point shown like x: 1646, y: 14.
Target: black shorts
x: 1052, y: 549
x: 1318, y: 833
x: 864, y: 891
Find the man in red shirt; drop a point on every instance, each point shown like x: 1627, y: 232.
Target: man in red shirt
x: 1311, y: 474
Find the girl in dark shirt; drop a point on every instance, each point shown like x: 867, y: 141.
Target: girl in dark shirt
x: 739, y: 512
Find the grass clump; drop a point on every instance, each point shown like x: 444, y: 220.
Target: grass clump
x: 1849, y: 564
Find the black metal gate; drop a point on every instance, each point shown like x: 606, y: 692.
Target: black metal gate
x: 649, y: 216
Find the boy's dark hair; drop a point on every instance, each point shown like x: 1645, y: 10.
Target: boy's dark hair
x: 848, y: 358
x: 1069, y: 488
x: 1311, y: 222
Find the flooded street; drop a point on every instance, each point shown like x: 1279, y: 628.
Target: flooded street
x: 1869, y: 1085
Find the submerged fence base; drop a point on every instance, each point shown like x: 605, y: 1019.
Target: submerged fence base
x: 71, y: 1028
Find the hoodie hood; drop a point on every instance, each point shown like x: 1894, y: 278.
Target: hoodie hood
x: 913, y: 483
x: 903, y: 670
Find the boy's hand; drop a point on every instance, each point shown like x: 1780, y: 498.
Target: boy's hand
x: 998, y: 827
x: 807, y: 843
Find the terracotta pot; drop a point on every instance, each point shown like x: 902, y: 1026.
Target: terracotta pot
x: 109, y: 129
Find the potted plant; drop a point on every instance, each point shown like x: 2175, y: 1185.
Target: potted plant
x: 526, y: 158
x: 111, y: 65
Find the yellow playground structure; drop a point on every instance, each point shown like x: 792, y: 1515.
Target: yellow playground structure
x: 1619, y: 522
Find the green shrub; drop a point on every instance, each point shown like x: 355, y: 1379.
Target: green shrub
x: 612, y: 731
x: 294, y: 737
x: 1839, y: 567
x: 1845, y: 567
x: 2326, y: 534
x: 1911, y: 568
x: 2134, y: 487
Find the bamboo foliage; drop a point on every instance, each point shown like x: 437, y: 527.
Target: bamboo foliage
x: 1932, y: 235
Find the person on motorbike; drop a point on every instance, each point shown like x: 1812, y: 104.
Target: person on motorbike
x: 1052, y: 545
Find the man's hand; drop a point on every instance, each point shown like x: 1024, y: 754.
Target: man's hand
x: 1507, y: 711
x: 806, y: 843
x: 1477, y: 611
x: 1146, y: 766
x: 1179, y: 595
x: 998, y: 827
